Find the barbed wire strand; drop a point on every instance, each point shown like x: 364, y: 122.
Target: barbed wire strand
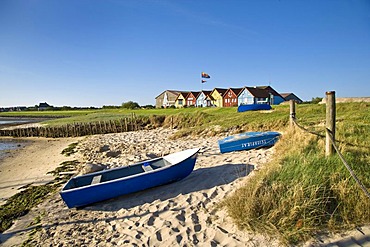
x: 359, y: 183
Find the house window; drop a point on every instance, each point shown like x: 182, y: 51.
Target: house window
x: 180, y: 101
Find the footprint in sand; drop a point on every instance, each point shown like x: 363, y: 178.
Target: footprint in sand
x: 151, y: 221
x: 159, y: 236
x: 181, y: 216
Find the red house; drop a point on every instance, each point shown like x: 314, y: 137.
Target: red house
x: 191, y: 98
x: 230, y: 98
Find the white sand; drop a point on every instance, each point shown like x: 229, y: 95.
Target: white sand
x: 179, y: 214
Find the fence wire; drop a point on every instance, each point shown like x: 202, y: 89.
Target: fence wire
x: 362, y: 186
x: 359, y: 183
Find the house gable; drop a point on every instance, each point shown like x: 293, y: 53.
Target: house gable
x: 203, y: 99
x: 217, y: 94
x: 180, y: 100
x: 275, y: 97
x: 291, y: 96
x: 191, y: 98
x: 253, y: 95
x: 166, y: 98
x: 230, y: 98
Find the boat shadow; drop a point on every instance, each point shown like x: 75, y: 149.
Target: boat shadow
x: 200, y: 179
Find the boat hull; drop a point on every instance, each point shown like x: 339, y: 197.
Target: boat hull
x: 253, y: 107
x: 85, y: 195
x: 248, y: 140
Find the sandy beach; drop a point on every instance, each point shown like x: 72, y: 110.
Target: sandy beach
x: 184, y: 213
x: 30, y: 163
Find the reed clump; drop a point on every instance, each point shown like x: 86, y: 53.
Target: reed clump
x: 302, y: 192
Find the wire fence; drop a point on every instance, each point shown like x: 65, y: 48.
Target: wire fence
x: 353, y: 175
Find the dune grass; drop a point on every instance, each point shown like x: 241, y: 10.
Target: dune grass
x: 302, y: 192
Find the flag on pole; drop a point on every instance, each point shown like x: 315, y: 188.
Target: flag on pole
x: 203, y: 81
x: 205, y: 75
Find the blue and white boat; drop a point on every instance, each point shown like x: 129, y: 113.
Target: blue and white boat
x: 86, y: 189
x: 253, y: 107
x: 248, y: 140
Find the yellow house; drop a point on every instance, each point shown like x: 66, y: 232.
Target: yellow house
x: 217, y: 95
x: 181, y: 100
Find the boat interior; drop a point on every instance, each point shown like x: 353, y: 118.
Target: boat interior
x: 116, y: 173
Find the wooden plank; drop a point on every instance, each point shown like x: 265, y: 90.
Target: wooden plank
x: 96, y: 179
x: 147, y: 168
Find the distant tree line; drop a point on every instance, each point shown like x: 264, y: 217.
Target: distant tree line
x: 46, y: 107
x: 129, y: 105
x: 315, y: 100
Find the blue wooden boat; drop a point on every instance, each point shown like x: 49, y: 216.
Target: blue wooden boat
x: 248, y: 140
x: 253, y: 107
x: 98, y: 186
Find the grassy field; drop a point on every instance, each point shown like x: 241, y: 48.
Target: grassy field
x: 198, y: 118
x: 301, y: 192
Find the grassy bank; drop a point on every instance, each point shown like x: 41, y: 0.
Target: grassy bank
x: 189, y: 120
x: 302, y: 192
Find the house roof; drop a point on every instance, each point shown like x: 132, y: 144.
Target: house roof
x: 221, y: 91
x: 184, y: 94
x: 195, y: 94
x: 207, y: 93
x: 44, y: 105
x: 237, y: 90
x: 270, y: 90
x: 176, y: 92
x: 285, y: 95
x: 258, y: 92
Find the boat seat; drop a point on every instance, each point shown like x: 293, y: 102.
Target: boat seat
x: 147, y: 167
x: 96, y: 179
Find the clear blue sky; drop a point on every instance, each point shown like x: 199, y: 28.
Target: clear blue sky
x: 95, y: 53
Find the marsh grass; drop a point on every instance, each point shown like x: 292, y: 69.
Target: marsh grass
x: 71, y: 149
x: 21, y: 203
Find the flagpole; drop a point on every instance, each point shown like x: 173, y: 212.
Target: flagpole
x: 203, y: 75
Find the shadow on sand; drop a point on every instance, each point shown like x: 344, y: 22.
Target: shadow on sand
x: 200, y: 179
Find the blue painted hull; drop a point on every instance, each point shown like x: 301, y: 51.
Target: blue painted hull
x: 248, y: 140
x: 99, y: 186
x: 253, y: 107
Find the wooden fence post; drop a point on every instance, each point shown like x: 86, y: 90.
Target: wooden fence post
x: 330, y: 122
x: 292, y: 112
